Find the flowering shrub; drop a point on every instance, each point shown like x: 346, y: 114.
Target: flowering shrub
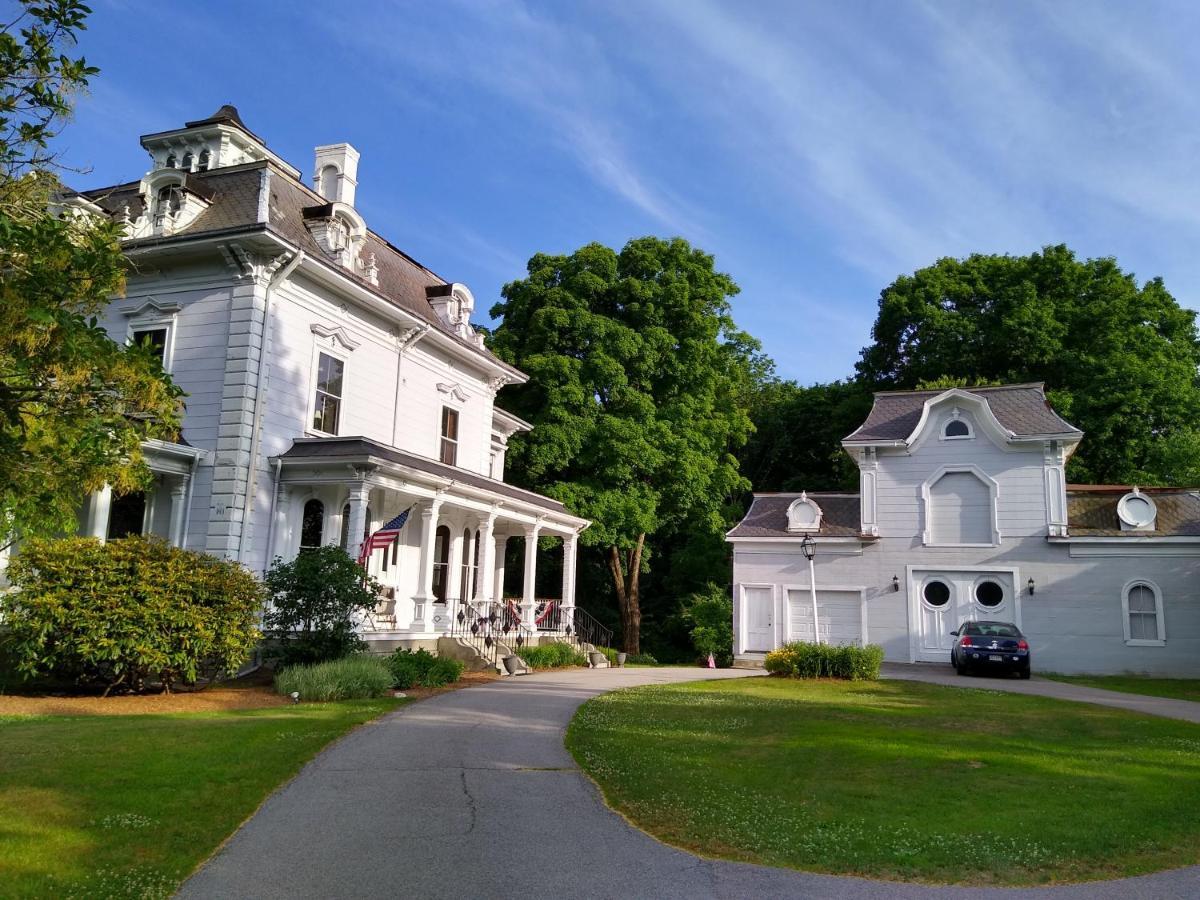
x: 802, y: 659
x: 126, y: 612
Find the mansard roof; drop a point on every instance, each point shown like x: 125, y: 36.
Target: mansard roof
x: 1092, y: 511
x: 767, y: 516
x: 1021, y: 408
x: 354, y: 449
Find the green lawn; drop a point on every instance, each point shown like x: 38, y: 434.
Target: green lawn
x: 127, y: 806
x: 1174, y: 688
x: 897, y: 779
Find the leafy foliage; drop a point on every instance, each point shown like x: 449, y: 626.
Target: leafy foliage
x: 554, y: 655
x: 639, y: 382
x: 420, y: 668
x: 710, y: 617
x: 1119, y: 360
x: 127, y: 611
x: 74, y: 405
x: 803, y: 659
x: 359, y: 677
x: 314, y: 601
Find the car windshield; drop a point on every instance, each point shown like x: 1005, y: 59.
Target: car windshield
x: 992, y: 629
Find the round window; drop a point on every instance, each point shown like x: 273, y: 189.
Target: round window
x: 1136, y: 510
x: 989, y: 594
x: 937, y: 593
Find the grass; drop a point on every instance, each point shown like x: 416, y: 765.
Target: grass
x: 898, y: 780
x: 352, y: 678
x: 1173, y: 688
x: 127, y: 806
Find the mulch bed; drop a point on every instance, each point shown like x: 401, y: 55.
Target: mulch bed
x: 251, y: 692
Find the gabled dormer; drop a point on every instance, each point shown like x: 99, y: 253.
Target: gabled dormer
x: 171, y: 199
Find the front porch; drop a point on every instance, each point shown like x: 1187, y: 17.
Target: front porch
x: 443, y: 575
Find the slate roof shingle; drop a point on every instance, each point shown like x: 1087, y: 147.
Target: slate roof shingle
x: 1092, y: 511
x: 1021, y: 408
x: 767, y: 516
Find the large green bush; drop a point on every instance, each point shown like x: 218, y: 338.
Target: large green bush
x: 709, y: 614
x: 127, y: 612
x: 357, y: 677
x: 802, y: 659
x: 554, y: 655
x: 420, y: 668
x: 314, y: 601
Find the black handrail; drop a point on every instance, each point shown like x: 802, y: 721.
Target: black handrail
x: 587, y: 630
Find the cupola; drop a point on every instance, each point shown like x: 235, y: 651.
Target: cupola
x: 216, y: 142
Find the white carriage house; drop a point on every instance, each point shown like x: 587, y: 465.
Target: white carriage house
x: 332, y: 382
x: 964, y: 513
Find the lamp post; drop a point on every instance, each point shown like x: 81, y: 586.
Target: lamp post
x: 809, y: 548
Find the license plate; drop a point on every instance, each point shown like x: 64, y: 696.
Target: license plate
x: 995, y: 658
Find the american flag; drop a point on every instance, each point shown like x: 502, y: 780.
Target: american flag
x: 381, y: 538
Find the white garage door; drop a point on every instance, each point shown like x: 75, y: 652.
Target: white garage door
x: 839, y: 614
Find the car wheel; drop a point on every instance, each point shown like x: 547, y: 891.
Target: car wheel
x: 1023, y: 674
x: 960, y: 668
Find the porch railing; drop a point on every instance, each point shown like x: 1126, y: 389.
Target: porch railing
x: 486, y: 627
x: 585, y: 629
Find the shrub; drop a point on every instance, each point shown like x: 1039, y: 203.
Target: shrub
x: 357, y: 677
x: 802, y: 659
x: 420, y: 668
x: 709, y: 614
x: 554, y: 655
x: 127, y: 611
x: 314, y: 600
x: 641, y: 659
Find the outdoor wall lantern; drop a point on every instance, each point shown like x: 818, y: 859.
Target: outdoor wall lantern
x: 895, y: 583
x: 808, y: 547
x: 1030, y: 585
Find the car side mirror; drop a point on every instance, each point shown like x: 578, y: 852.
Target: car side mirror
x: 955, y: 633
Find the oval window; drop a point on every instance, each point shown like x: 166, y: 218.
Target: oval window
x: 937, y: 593
x: 989, y: 594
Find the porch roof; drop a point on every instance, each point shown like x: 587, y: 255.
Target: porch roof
x: 350, y: 450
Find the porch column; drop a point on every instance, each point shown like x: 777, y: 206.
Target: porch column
x: 99, y: 506
x: 178, y: 506
x: 568, y: 585
x: 484, y: 581
x: 498, y: 554
x: 528, y: 600
x: 429, y: 524
x: 454, y: 561
x: 359, y: 496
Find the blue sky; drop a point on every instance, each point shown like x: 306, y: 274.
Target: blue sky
x: 817, y: 150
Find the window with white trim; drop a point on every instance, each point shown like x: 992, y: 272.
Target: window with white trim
x: 153, y: 338
x: 327, y: 399
x: 1141, y: 605
x: 449, y: 446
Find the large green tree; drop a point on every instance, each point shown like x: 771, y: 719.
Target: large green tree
x: 74, y: 405
x: 1119, y: 360
x: 638, y: 388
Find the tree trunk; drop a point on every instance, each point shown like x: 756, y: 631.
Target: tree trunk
x: 626, y: 578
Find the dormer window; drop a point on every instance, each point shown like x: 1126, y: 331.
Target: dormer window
x: 804, y: 515
x: 1137, y: 512
x: 205, y: 159
x: 341, y: 232
x: 187, y: 161
x: 169, y: 201
x: 957, y: 428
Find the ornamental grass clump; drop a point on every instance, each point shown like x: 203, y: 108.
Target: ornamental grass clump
x: 802, y: 659
x: 358, y: 677
x: 555, y: 655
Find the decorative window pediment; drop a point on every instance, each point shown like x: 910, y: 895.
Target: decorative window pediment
x: 453, y: 390
x: 335, y: 334
x: 804, y: 514
x: 150, y: 307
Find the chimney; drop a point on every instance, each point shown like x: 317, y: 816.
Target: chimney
x: 335, y: 175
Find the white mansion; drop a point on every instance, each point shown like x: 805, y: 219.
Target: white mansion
x: 964, y: 513
x: 332, y: 382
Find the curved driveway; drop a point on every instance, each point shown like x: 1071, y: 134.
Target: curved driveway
x: 471, y: 794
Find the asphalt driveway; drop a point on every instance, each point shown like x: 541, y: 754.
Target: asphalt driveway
x: 471, y: 795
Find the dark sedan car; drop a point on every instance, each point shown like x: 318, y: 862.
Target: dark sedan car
x: 995, y: 646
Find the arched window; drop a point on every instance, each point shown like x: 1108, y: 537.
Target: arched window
x: 170, y: 164
x: 170, y: 200
x: 441, y: 563
x: 312, y: 526
x: 1142, y: 607
x: 957, y: 428
x: 329, y: 183
x: 187, y: 161
x: 205, y: 157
